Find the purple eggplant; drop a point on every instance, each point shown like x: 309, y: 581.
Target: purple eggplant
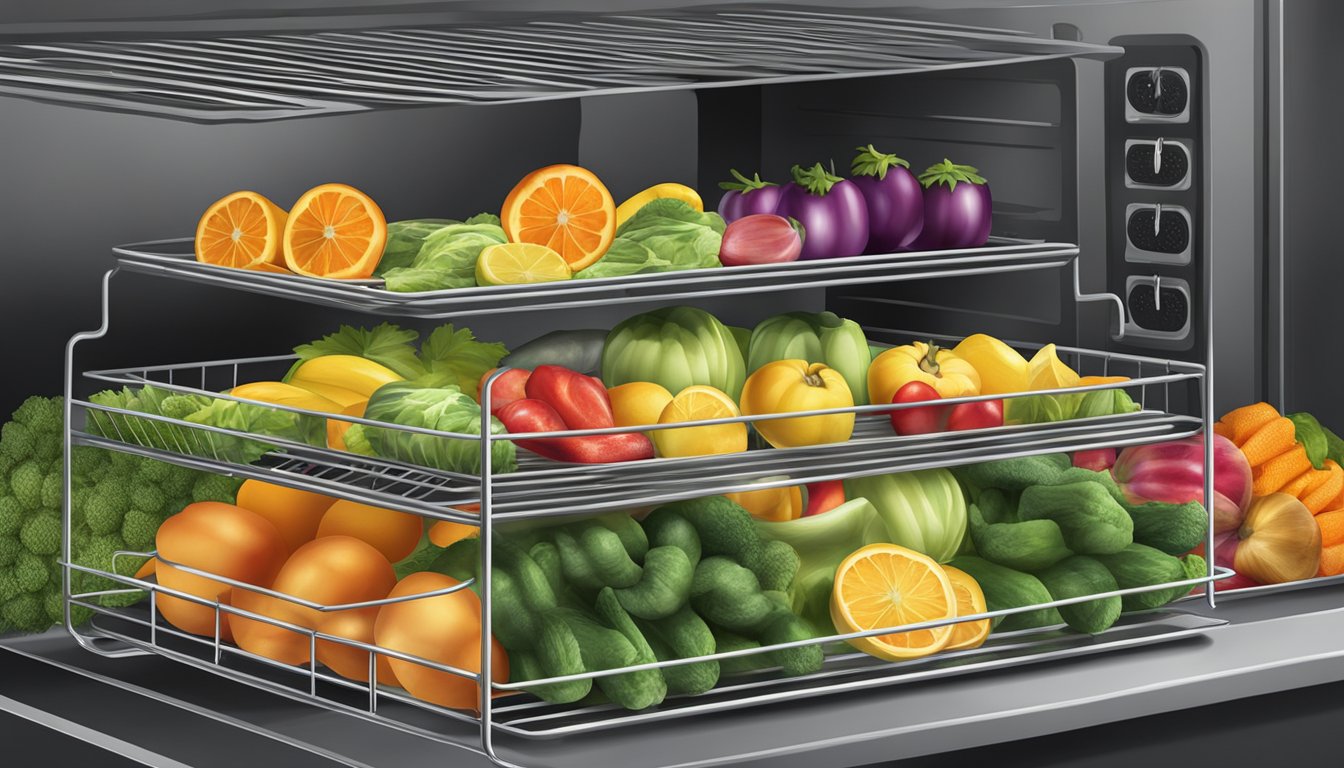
x: 831, y: 210
x: 894, y: 197
x: 957, y: 208
x: 745, y: 197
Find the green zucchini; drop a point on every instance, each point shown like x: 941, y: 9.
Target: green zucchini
x: 684, y: 635
x: 663, y: 587
x: 1079, y: 576
x: 632, y: 690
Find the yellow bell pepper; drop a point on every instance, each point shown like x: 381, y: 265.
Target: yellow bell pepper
x: 940, y: 368
x: 771, y: 504
x: 786, y: 386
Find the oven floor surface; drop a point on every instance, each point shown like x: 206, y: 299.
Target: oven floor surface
x: 160, y: 713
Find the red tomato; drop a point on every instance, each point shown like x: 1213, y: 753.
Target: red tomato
x: 824, y: 496
x: 977, y: 415
x: 917, y: 421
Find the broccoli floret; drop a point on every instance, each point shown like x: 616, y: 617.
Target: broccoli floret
x: 26, y: 483
x: 155, y: 471
x: 10, y: 547
x: 85, y: 461
x: 11, y: 516
x: 215, y: 488
x: 41, y: 414
x: 180, y: 406
x: 53, y: 489
x: 179, y: 481
x: 9, y: 586
x: 108, y: 506
x: 138, y: 530
x: 16, y: 442
x: 31, y: 572
x: 148, y: 498
x: 41, y: 535
x: 98, y: 555
x: 25, y: 613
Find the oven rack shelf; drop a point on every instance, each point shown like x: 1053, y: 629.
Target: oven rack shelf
x: 175, y: 259
x: 541, y: 488
x: 498, y: 58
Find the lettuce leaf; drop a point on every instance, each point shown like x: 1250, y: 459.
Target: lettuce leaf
x: 664, y: 236
x: 446, y: 409
x: 1042, y: 409
x: 258, y: 420
x: 404, y: 239
x: 455, y: 356
x: 447, y: 259
x: 386, y: 344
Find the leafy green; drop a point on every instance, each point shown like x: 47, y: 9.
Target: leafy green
x: 386, y: 344
x: 484, y: 218
x: 1309, y: 433
x: 258, y: 420
x: 664, y: 236
x: 1042, y: 409
x: 148, y: 432
x: 447, y: 259
x: 446, y: 409
x: 455, y: 356
x: 404, y: 239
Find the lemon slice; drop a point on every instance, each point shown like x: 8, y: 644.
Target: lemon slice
x: 887, y: 585
x: 520, y: 263
x: 1047, y: 371
x: 970, y: 601
x: 699, y: 403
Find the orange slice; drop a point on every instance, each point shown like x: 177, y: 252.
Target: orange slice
x: 334, y: 231
x: 699, y: 402
x: 970, y: 600
x: 887, y: 585
x: 242, y: 231
x: 565, y: 208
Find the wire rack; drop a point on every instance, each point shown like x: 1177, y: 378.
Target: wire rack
x: 175, y: 258
x: 541, y: 488
x: 500, y: 59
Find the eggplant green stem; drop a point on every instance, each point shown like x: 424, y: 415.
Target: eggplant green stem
x: 743, y: 184
x: 870, y: 162
x: 816, y: 180
x: 949, y: 173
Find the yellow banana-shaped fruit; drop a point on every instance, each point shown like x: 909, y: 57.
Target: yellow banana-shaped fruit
x: 280, y: 393
x: 669, y: 189
x: 351, y: 372
x: 339, y: 395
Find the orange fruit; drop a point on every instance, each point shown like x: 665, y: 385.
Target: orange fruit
x: 699, y: 402
x: 242, y: 230
x: 334, y: 231
x: 970, y: 601
x: 565, y: 208
x: 638, y: 403
x: 887, y: 585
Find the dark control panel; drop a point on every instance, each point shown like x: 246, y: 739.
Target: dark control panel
x: 1155, y: 206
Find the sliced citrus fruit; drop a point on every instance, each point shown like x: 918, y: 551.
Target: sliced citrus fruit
x: 699, y: 403
x: 638, y: 403
x: 519, y: 263
x: 242, y: 230
x: 887, y: 585
x: 970, y: 601
x: 565, y: 208
x: 1047, y: 371
x: 334, y: 231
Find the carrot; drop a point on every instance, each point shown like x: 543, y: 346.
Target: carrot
x: 1305, y: 483
x: 1320, y: 497
x: 1332, y: 527
x: 1277, y: 472
x: 1219, y: 428
x: 1276, y: 437
x: 1245, y: 421
x: 1332, y: 561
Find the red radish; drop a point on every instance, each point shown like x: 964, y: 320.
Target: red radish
x: 824, y: 496
x: 917, y: 421
x: 761, y: 238
x: 981, y: 414
x: 510, y: 386
x: 1096, y: 459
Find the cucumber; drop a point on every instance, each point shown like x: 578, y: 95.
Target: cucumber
x: 1091, y: 520
x: 663, y: 587
x: 558, y: 653
x: 1026, y: 546
x: 1139, y: 565
x: 775, y: 565
x: 530, y: 580
x: 729, y: 595
x: 788, y: 628
x: 630, y: 532
x: 576, y: 350
x: 665, y: 528
x: 684, y: 635
x: 1014, y: 474
x: 515, y: 624
x: 1172, y: 528
x: 725, y: 641
x: 632, y: 690
x: 1007, y: 588
x: 1078, y: 576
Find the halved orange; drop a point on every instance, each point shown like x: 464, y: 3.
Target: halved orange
x: 241, y: 230
x: 334, y: 231
x: 565, y: 208
x: 699, y: 402
x: 887, y: 585
x: 970, y: 601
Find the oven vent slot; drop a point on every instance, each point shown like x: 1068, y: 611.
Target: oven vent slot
x: 1157, y: 164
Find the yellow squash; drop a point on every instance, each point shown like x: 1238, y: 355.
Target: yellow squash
x: 670, y: 189
x: 786, y: 386
x: 351, y: 372
x: 1001, y: 368
x: 940, y: 368
x: 280, y: 393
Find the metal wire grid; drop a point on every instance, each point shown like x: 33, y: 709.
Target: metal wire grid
x: 501, y: 60
x: 175, y: 258
x: 542, y: 488
x: 524, y: 715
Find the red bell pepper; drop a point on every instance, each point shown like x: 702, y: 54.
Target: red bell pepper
x: 507, y: 388
x: 580, y: 400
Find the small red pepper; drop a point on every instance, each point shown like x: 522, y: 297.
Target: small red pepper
x: 580, y: 400
x: 508, y: 387
x: 535, y: 415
